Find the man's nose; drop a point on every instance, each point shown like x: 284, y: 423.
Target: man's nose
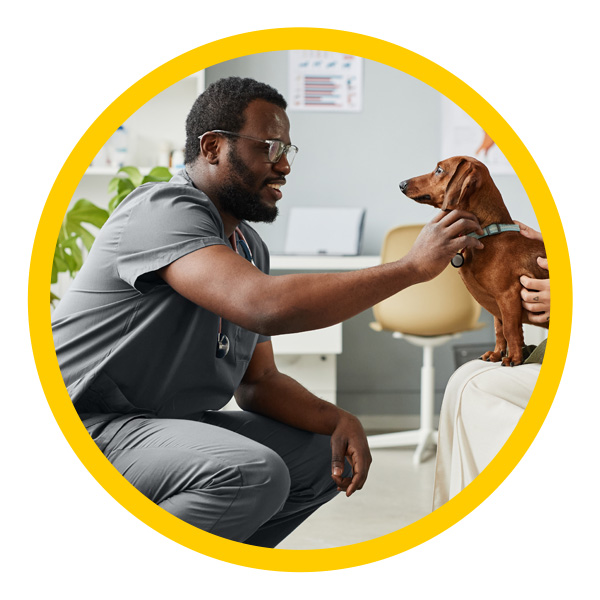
x: 282, y: 165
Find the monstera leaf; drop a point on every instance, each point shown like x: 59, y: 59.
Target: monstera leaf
x: 74, y: 235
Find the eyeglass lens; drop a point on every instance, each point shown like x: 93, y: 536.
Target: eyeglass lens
x: 276, y: 150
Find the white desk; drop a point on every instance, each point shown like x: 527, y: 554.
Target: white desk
x: 282, y: 262
x: 310, y: 357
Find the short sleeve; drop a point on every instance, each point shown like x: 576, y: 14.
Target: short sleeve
x: 162, y: 224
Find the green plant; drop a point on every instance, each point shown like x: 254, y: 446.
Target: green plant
x: 123, y: 186
x: 74, y: 236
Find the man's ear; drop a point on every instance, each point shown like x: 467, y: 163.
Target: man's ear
x: 210, y: 147
x: 462, y: 184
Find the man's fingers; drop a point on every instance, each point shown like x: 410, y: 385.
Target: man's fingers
x: 337, y: 467
x: 338, y: 455
x: 343, y: 483
x: 462, y: 220
x: 543, y: 262
x: 360, y: 470
x: 466, y: 241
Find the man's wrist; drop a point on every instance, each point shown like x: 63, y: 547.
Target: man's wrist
x: 413, y: 270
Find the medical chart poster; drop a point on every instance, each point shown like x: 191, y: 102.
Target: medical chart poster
x: 325, y: 81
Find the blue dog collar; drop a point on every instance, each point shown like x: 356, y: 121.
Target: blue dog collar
x: 494, y: 229
x: 459, y: 260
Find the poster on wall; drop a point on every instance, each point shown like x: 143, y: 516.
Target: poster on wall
x: 325, y: 81
x: 462, y: 136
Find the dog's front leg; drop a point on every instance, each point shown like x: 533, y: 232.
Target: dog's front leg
x: 513, y: 328
x: 497, y: 354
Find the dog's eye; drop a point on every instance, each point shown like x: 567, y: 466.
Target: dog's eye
x: 439, y: 171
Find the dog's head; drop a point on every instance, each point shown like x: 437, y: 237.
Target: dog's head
x: 450, y: 185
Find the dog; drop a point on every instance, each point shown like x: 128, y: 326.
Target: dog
x: 491, y: 274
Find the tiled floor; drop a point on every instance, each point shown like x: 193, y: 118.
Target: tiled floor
x: 396, y: 494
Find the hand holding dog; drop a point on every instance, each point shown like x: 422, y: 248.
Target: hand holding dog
x: 441, y: 239
x: 530, y: 233
x: 535, y: 294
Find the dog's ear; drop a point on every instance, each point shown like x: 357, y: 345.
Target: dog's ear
x: 461, y: 185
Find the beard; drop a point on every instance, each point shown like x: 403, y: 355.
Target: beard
x: 236, y: 198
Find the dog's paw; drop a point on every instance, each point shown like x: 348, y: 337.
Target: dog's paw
x: 492, y: 356
x: 511, y: 361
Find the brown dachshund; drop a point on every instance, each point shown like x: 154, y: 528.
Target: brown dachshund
x: 491, y: 274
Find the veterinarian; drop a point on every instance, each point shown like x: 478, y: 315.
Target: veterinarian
x: 172, y: 315
x: 483, y: 401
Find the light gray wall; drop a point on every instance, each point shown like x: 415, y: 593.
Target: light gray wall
x: 358, y: 159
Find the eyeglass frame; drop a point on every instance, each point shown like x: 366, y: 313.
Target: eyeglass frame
x: 285, y: 147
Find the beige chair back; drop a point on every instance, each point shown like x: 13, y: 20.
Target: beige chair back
x: 437, y: 307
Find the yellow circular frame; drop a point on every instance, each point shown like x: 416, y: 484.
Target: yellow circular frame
x: 268, y: 41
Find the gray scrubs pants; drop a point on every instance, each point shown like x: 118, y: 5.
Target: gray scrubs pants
x: 235, y: 474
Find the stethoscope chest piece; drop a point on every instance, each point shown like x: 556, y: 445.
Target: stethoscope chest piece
x: 222, y: 345
x: 458, y: 260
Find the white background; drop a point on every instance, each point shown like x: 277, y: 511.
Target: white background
x: 63, y: 63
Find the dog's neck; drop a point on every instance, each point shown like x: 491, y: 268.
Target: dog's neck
x: 491, y: 208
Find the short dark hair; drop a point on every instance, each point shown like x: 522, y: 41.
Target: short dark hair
x: 221, y: 106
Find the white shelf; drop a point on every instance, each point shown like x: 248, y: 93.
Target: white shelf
x: 318, y: 341
x: 281, y: 262
x: 112, y: 171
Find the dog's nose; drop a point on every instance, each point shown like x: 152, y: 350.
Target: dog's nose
x: 403, y: 185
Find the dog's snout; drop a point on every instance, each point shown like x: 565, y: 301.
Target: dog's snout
x: 403, y: 185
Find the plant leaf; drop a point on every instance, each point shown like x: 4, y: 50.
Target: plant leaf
x: 85, y: 211
x: 113, y: 183
x: 114, y: 202
x: 150, y: 178
x: 161, y: 174
x: 84, y: 235
x: 125, y: 185
x: 134, y: 174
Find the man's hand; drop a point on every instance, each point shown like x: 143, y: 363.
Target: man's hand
x: 535, y: 296
x: 349, y: 440
x: 441, y: 239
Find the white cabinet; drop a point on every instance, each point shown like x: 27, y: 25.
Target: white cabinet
x: 310, y: 358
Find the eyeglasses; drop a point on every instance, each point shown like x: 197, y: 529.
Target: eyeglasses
x: 276, y: 147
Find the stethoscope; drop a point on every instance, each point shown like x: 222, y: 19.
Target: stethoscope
x: 223, y: 343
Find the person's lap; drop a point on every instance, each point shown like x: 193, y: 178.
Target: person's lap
x: 482, y: 404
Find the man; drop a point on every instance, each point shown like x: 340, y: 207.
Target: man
x: 171, y: 316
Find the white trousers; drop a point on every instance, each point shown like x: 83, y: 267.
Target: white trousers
x: 482, y: 404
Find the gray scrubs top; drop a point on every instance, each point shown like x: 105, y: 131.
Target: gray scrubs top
x: 126, y: 342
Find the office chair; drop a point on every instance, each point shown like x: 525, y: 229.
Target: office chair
x: 428, y: 315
